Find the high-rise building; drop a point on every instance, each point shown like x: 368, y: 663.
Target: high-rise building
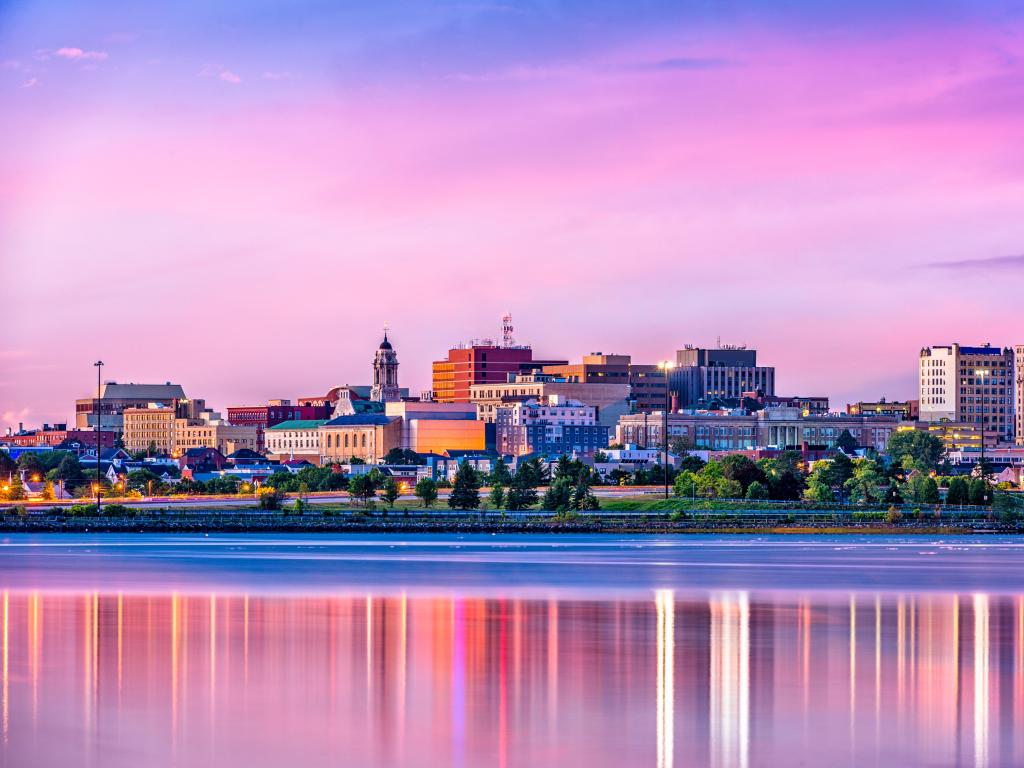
x: 385, y: 374
x: 1019, y: 395
x: 969, y: 385
x: 727, y: 372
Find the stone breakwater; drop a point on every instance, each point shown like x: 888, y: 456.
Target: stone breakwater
x: 492, y: 523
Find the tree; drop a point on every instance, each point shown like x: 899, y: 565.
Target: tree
x: 893, y: 495
x: 757, y: 490
x: 980, y: 492
x: 788, y: 486
x: 600, y: 457
x: 426, y: 491
x: 818, y: 491
x: 558, y: 495
x: 685, y: 484
x: 738, y: 467
x: 959, y: 491
x: 48, y: 493
x: 496, y: 498
x: 520, y: 496
x: 466, y: 489
x: 840, y: 469
x: 923, y: 489
x: 391, y: 492
x: 846, y: 442
x: 31, y: 463
x: 691, y: 463
x: 8, y: 466
x: 500, y: 474
x: 270, y: 498
x: 864, y: 485
x: 15, y: 489
x: 583, y: 499
x: 139, y: 479
x: 925, y: 450
x: 403, y: 456
x: 362, y: 488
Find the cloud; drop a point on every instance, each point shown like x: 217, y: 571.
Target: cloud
x: 74, y: 54
x: 229, y: 77
x: 221, y: 72
x: 276, y: 75
x: 689, y: 63
x: 32, y: 82
x: 969, y: 265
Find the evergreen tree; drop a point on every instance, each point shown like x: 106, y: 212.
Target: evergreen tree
x: 959, y: 491
x: 520, y: 496
x: 362, y: 488
x: 466, y: 489
x: 497, y: 496
x: 980, y: 492
x: 391, y: 492
x: 500, y: 475
x: 558, y: 495
x: 846, y: 442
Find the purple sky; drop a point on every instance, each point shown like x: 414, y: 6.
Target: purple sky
x: 238, y: 198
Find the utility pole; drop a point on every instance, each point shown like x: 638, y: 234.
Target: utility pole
x: 99, y: 428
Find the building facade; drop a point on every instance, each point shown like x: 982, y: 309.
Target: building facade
x: 215, y: 434
x: 429, y: 427
x: 970, y: 385
x: 115, y: 398
x: 362, y: 436
x: 149, y: 428
x: 480, y: 363
x: 770, y: 428
x: 906, y: 410
x: 702, y: 375
x: 555, y: 427
x: 274, y: 412
x: 648, y: 384
x: 1019, y: 394
x: 611, y: 399
x: 297, y: 439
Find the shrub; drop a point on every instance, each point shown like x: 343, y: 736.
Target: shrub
x: 893, y: 515
x: 270, y: 498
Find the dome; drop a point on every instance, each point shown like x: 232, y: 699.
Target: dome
x: 385, y: 344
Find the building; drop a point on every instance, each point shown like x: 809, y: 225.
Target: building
x: 647, y: 383
x: 1019, y: 395
x: 430, y: 427
x: 385, y: 374
x: 215, y: 433
x: 274, y: 412
x: 362, y: 436
x: 610, y: 399
x: 297, y: 439
x: 807, y: 405
x: 740, y: 430
x: 956, y: 435
x: 701, y: 375
x: 149, y: 428
x: 969, y: 385
x: 117, y: 397
x: 554, y: 427
x: 906, y: 410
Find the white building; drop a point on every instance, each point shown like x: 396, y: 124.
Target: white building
x: 972, y: 385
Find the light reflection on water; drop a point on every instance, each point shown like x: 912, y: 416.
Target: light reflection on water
x: 511, y: 650
x: 729, y: 678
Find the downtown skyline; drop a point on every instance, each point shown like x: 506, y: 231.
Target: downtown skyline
x: 238, y: 200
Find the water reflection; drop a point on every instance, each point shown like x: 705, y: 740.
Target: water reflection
x: 729, y: 679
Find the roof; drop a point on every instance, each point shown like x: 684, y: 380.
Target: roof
x: 201, y: 451
x: 130, y: 391
x: 385, y: 344
x: 298, y: 424
x: 360, y: 420
x: 245, y: 453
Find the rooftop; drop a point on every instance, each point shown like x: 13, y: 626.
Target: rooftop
x: 298, y: 424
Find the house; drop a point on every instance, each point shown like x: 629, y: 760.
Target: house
x: 202, y: 459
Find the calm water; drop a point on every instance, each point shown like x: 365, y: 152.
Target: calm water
x: 511, y: 651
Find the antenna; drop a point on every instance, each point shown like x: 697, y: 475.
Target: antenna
x: 507, y: 339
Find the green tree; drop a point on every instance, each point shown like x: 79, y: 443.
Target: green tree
x: 980, y: 492
x: 923, y: 489
x: 520, y: 496
x: 738, y: 467
x: 864, y: 485
x: 48, y: 492
x: 691, y: 463
x: 139, y: 480
x: 959, y: 491
x: 15, y: 489
x: 600, y: 457
x: 31, y: 463
x: 583, y: 499
x: 818, y: 491
x: 270, y: 498
x: 846, y: 442
x: 558, y: 496
x: 465, y: 493
x: 925, y: 450
x: 685, y: 484
x: 426, y: 491
x: 391, y: 492
x: 403, y: 456
x: 757, y: 490
x: 496, y: 498
x: 840, y: 469
x: 500, y: 474
x: 362, y: 488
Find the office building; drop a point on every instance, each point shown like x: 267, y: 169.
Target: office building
x: 555, y: 427
x: 905, y: 410
x: 703, y: 375
x: 969, y: 385
x: 647, y: 383
x: 610, y: 399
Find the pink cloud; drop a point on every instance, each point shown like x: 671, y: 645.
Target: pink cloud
x: 229, y: 77
x: 78, y: 53
x: 32, y: 82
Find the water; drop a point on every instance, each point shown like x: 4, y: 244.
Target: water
x: 511, y: 651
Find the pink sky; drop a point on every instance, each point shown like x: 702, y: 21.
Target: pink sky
x: 246, y: 231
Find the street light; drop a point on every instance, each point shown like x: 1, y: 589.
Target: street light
x: 981, y: 374
x: 666, y: 366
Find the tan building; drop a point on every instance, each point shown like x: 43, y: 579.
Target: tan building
x: 969, y: 385
x: 956, y: 435
x: 152, y: 427
x: 1019, y: 395
x: 611, y: 399
x: 226, y: 438
x: 367, y: 436
x: 647, y: 383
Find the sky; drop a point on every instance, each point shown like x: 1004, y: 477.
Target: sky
x: 238, y: 196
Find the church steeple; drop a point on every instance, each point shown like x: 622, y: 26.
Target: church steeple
x: 385, y: 373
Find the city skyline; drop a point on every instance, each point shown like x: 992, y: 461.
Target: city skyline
x: 237, y: 200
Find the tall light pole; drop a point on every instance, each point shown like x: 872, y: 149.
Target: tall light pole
x: 99, y: 430
x: 666, y: 367
x: 981, y: 374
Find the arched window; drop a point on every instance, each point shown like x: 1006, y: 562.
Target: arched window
x: 364, y: 439
x: 346, y: 439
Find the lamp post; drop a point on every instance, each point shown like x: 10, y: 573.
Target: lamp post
x: 981, y: 374
x: 665, y: 366
x: 99, y: 430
